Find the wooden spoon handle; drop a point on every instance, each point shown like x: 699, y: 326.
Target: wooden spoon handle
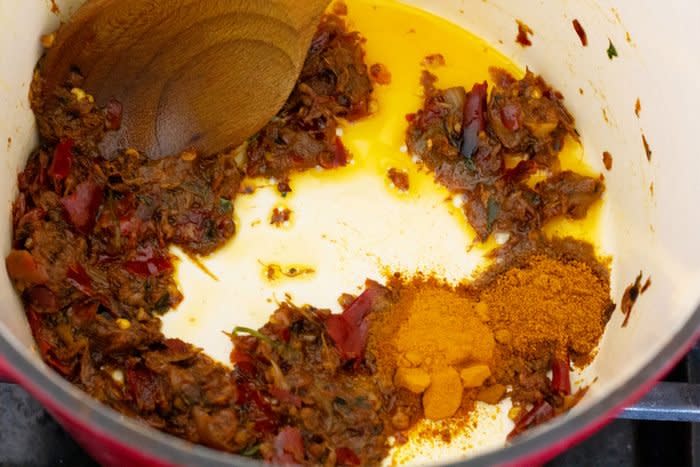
x: 200, y: 74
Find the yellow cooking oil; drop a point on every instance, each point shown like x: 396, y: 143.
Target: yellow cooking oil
x: 400, y: 37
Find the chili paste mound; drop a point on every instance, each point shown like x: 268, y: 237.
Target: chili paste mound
x: 487, y: 147
x: 91, y: 260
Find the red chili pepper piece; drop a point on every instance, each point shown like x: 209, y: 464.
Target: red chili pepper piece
x: 114, y: 112
x: 289, y: 446
x: 258, y: 408
x: 561, y: 381
x: 149, y: 263
x: 22, y: 267
x: 78, y: 278
x: 62, y: 160
x: 283, y: 395
x: 84, y: 314
x: 83, y: 204
x: 539, y: 414
x: 510, y: 116
x: 474, y: 121
x: 339, y: 158
x: 349, y: 330
x: 43, y: 299
x: 521, y: 171
x: 346, y: 456
x: 144, y: 388
x: 46, y: 349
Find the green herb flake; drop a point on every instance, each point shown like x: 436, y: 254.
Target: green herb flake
x: 163, y: 303
x: 493, y: 210
x: 257, y: 334
x: 251, y: 451
x: 612, y: 51
x: 225, y: 205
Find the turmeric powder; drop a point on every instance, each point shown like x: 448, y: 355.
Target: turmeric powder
x: 434, y: 331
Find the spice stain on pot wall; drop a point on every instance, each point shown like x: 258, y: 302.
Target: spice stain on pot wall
x: 524, y: 33
x: 631, y: 295
x: 583, y: 37
x: 647, y: 149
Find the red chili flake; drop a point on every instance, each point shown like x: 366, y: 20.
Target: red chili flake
x: 46, y: 349
x: 474, y: 121
x: 581, y: 32
x: 283, y: 188
x: 346, y: 456
x: 145, y: 388
x: 521, y: 171
x: 607, y: 160
x: 647, y: 149
x: 239, y: 357
x: 83, y: 204
x: 539, y: 414
x: 510, y: 116
x: 341, y: 154
x: 130, y: 224
x: 524, y: 33
x: 148, y: 262
x: 289, y: 446
x: 338, y: 158
x: 349, y: 330
x: 258, y: 408
x: 114, y: 111
x: 410, y: 117
x: 177, y: 345
x: 280, y: 216
x: 43, y: 299
x: 399, y: 178
x: 62, y: 160
x: 283, y: 395
x: 78, y: 278
x: 638, y: 107
x: 629, y: 298
x: 561, y: 380
x: 380, y: 74
x: 22, y: 267
x: 433, y: 60
x: 83, y: 314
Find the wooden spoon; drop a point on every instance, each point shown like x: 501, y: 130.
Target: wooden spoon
x: 199, y: 74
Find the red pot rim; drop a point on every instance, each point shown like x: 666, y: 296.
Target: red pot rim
x: 59, y: 397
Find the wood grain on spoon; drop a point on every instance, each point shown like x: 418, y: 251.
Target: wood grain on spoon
x: 190, y: 74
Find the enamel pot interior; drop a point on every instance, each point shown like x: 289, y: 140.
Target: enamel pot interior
x: 649, y: 219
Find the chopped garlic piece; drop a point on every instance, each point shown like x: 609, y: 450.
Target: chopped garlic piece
x: 81, y: 95
x: 118, y: 376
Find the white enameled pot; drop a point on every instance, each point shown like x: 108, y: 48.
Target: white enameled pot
x: 651, y: 230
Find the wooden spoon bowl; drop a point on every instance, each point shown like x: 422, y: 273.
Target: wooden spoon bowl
x: 190, y: 74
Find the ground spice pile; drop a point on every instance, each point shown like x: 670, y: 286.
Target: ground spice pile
x: 549, y: 305
x: 499, y: 337
x: 429, y: 341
